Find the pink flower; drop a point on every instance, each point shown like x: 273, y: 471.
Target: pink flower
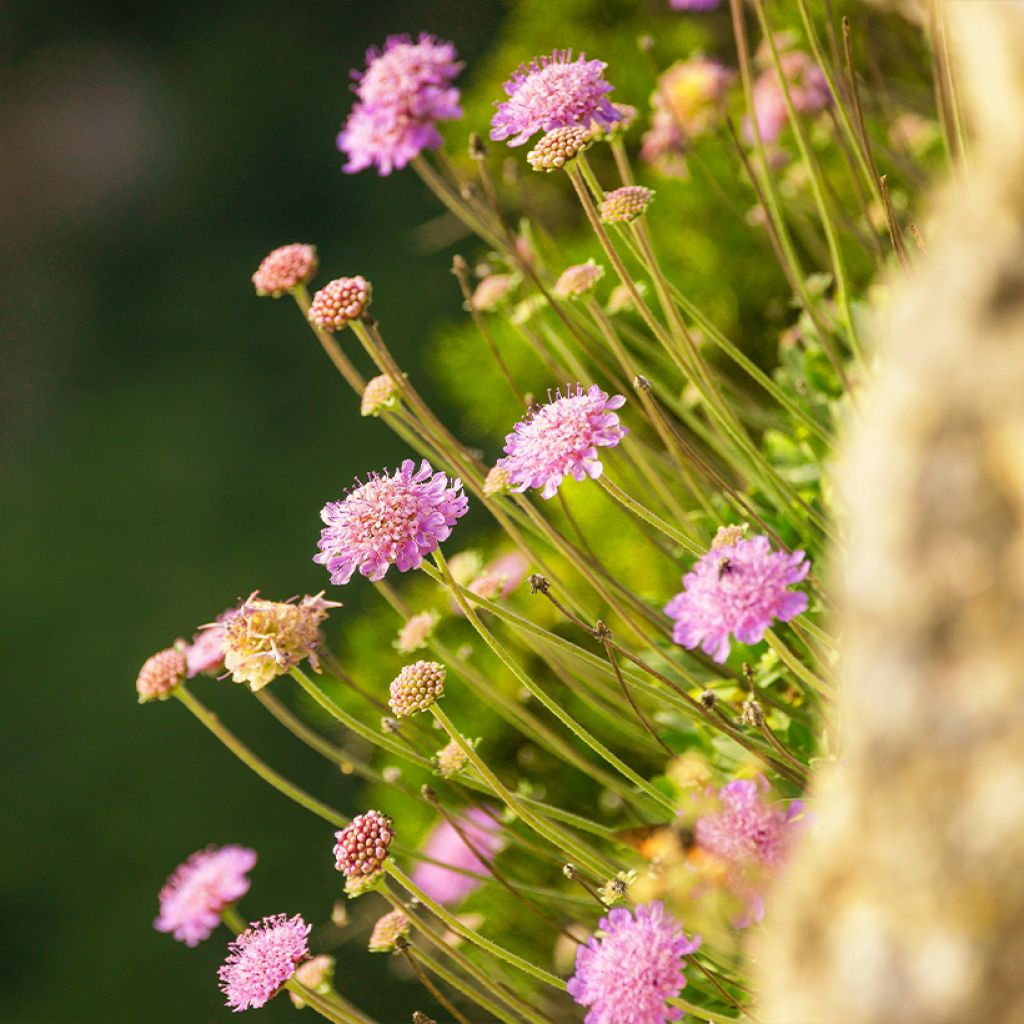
x: 808, y: 91
x: 561, y: 439
x: 628, y: 974
x: 206, y: 652
x: 693, y: 5
x: 339, y: 302
x: 739, y: 589
x: 394, y: 519
x: 198, y: 890
x: 362, y: 845
x: 262, y: 959
x: 553, y: 92
x: 446, y: 845
x: 752, y: 837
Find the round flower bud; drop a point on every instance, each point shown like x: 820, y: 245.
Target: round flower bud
x: 416, y: 687
x: 160, y: 675
x: 339, y: 302
x: 416, y: 632
x: 577, y: 280
x: 451, y: 760
x: 491, y: 291
x: 285, y: 269
x: 387, y: 931
x: 362, y: 846
x: 380, y: 393
x: 317, y: 975
x: 625, y: 204
x: 558, y: 147
x: 496, y: 481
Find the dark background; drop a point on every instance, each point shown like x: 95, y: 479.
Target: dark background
x: 168, y: 440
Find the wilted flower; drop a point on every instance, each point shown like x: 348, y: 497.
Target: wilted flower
x: 553, y: 92
x: 739, y: 589
x: 416, y: 687
x: 339, y: 302
x: 631, y: 971
x: 405, y: 90
x: 317, y: 975
x: 394, y: 519
x: 446, y: 845
x: 558, y: 147
x: 492, y: 291
x: 387, y: 931
x: 266, y: 639
x: 196, y: 892
x: 262, y: 959
x: 808, y: 92
x: 380, y: 393
x: 160, y: 674
x: 285, y: 269
x: 578, y: 280
x: 451, y: 760
x: 562, y: 438
x: 625, y: 204
x: 416, y: 631
x: 362, y: 846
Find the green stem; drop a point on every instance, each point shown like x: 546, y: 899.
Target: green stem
x: 649, y: 517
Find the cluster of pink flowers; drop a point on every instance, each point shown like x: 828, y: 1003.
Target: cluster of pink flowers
x: 446, y: 845
x: 262, y: 959
x: 553, y: 92
x: 394, y: 519
x: 404, y: 92
x: 561, y: 439
x: 633, y: 967
x: 737, y: 588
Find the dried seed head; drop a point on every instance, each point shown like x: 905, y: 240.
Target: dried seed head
x: 416, y: 687
x: 558, y: 147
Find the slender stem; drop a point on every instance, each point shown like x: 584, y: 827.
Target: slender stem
x: 407, y: 951
x: 649, y: 517
x: 330, y: 345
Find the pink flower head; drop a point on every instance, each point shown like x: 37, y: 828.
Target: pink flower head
x: 752, y: 838
x: 339, y: 302
x: 808, y: 91
x: 405, y: 90
x: 160, y: 674
x: 394, y: 519
x: 628, y: 974
x: 693, y: 5
x: 285, y: 269
x: 562, y: 438
x: 362, y: 845
x: 198, y: 890
x: 446, y: 845
x: 739, y: 589
x: 262, y: 959
x: 553, y: 92
x: 206, y: 652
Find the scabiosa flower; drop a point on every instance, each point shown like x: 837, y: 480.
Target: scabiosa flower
x: 362, y: 846
x: 552, y: 92
x: 625, y: 204
x: 496, y: 481
x: 199, y: 889
x: 558, y: 147
x: 262, y: 959
x: 338, y: 302
x: 380, y: 393
x: 630, y: 972
x: 206, y: 652
x: 285, y: 269
x: 404, y: 92
x: 739, y: 589
x: 491, y: 291
x: 416, y: 632
x: 450, y: 760
x: 387, y: 931
x: 808, y: 92
x: 446, y: 845
x: 317, y: 975
x: 562, y: 438
x: 693, y: 5
x: 576, y: 281
x: 160, y: 674
x: 394, y: 519
x: 416, y: 687
x: 265, y: 639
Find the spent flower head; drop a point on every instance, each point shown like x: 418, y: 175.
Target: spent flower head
x: 160, y: 674
x: 284, y: 269
x: 553, y: 92
x: 362, y: 846
x: 265, y: 639
x: 339, y: 302
x: 630, y: 970
x: 262, y: 959
x: 578, y: 280
x: 737, y: 589
x: 392, y: 519
x: 416, y: 687
x: 196, y: 892
x: 558, y: 147
x: 561, y: 438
